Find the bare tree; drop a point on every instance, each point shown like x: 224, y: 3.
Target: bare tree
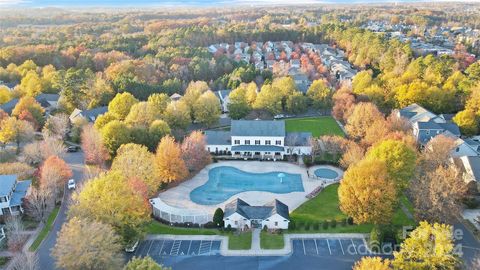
x: 39, y: 203
x: 56, y: 126
x: 25, y: 261
x: 36, y: 152
x: 14, y: 231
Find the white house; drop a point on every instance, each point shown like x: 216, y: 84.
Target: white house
x: 12, y: 193
x: 89, y: 115
x: 240, y: 215
x: 223, y: 97
x: 262, y: 139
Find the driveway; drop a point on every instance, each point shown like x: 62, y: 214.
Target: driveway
x: 75, y: 161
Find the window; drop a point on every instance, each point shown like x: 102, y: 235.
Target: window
x: 257, y: 142
x: 268, y: 142
x: 247, y: 142
x: 278, y: 142
x: 236, y: 222
x: 208, y: 149
x: 236, y: 142
x: 458, y: 149
x: 428, y: 132
x: 276, y: 223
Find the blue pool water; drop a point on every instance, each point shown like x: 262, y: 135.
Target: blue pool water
x: 224, y: 182
x: 326, y: 173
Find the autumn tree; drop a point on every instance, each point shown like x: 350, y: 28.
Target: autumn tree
x: 121, y: 104
x: 25, y: 261
x: 54, y: 173
x: 353, y: 154
x: 56, y: 126
x: 109, y: 199
x: 36, y: 152
x: 158, y: 129
x: 135, y: 161
x: 436, y: 153
x: 367, y: 194
x: 372, y: 263
x: 269, y: 99
x: 145, y: 263
x: 39, y: 203
x: 343, y: 103
x: 193, y: 92
x: 177, y: 115
x: 399, y: 158
x: 429, y: 246
x: 86, y: 244
x: 93, y: 147
x: 30, y: 109
x: 14, y: 231
x: 5, y: 95
x: 194, y: 151
x: 467, y: 121
x: 363, y: 115
x: 16, y: 131
x: 207, y: 109
x: 143, y: 114
x: 115, y: 134
x: 168, y: 160
x: 320, y: 94
x: 241, y: 100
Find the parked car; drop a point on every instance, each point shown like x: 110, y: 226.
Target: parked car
x: 71, y: 184
x: 73, y: 148
x: 132, y: 247
x: 279, y: 116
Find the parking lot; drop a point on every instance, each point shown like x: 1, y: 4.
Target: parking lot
x: 330, y: 247
x: 166, y: 248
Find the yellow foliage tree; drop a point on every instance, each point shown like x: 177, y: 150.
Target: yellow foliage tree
x: 367, y: 194
x: 429, y: 246
x: 372, y: 263
x: 168, y: 161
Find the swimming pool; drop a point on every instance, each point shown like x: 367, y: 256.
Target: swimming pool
x: 224, y: 182
x: 326, y: 173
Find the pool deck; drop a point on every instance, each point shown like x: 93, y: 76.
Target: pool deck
x: 179, y: 196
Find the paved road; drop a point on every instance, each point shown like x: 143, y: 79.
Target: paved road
x: 75, y: 161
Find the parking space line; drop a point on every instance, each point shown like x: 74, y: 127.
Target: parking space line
x: 189, y: 245
x: 175, y: 247
x: 329, y: 250
x: 315, y: 245
x: 341, y: 246
x: 303, y: 242
x: 354, y: 248
x: 210, y: 251
x: 149, y: 247
x: 160, y: 251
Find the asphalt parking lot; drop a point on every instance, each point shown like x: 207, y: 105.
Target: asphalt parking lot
x: 329, y: 253
x: 167, y: 248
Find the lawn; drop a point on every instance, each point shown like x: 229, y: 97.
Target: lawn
x: 239, y: 241
x: 155, y: 227
x: 271, y: 241
x: 325, y: 206
x: 318, y: 126
x: 46, y: 229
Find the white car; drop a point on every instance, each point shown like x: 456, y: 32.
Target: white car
x: 71, y: 184
x: 132, y: 248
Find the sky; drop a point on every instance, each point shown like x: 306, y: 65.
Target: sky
x: 60, y: 3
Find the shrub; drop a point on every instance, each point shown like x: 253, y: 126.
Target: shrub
x: 325, y: 225
x: 229, y: 227
x: 316, y: 226
x: 334, y: 223
x: 265, y: 228
x: 210, y: 225
x: 344, y: 222
x: 291, y: 225
x: 307, y: 226
x: 376, y: 239
x: 218, y: 217
x: 350, y: 221
x: 300, y: 224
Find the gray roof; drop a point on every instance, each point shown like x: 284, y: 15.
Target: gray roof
x: 475, y: 165
x: 20, y: 192
x: 222, y: 94
x: 9, y: 106
x: 218, y: 137
x: 256, y: 212
x: 44, y: 99
x: 298, y: 138
x: 452, y: 127
x: 259, y: 148
x: 92, y: 114
x: 262, y: 128
x: 7, y: 182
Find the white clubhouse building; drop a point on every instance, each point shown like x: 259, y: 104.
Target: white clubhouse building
x: 241, y: 215
x: 262, y: 139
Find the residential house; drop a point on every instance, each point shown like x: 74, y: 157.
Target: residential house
x: 48, y: 101
x: 89, y: 115
x: 470, y: 168
x: 12, y: 193
x: 175, y: 97
x: 240, y: 215
x: 302, y: 82
x: 262, y: 139
x: 9, y: 106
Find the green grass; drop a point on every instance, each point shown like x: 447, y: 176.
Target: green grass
x: 239, y: 241
x: 271, y: 241
x: 155, y: 227
x: 46, y: 229
x: 318, y: 126
x: 4, y: 261
x: 325, y: 206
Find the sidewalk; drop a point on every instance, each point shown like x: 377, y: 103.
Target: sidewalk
x: 255, y: 249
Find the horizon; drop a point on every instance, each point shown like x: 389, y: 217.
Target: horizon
x: 203, y: 3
